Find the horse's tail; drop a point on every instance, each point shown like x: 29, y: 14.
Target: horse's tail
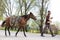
x: 3, y: 23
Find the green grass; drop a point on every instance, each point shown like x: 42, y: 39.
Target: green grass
x: 2, y: 28
x: 31, y: 31
x: 59, y: 32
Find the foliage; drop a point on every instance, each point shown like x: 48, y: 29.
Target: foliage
x: 25, y: 6
x: 2, y: 9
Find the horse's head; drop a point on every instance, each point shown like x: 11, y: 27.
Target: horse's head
x: 32, y: 16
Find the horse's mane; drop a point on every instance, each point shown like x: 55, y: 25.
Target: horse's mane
x: 25, y: 16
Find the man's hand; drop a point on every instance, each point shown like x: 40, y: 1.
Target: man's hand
x: 51, y: 18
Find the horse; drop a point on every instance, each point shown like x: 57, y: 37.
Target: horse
x: 22, y: 21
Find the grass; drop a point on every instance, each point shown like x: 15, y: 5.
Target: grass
x: 59, y: 32
x: 2, y: 28
x: 31, y: 31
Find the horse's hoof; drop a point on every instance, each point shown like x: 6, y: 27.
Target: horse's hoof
x: 6, y: 35
x: 15, y: 35
x: 42, y: 36
x: 9, y: 35
x: 25, y: 35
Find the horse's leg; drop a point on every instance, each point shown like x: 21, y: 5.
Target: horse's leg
x: 9, y: 30
x: 24, y: 31
x: 5, y: 31
x: 17, y: 31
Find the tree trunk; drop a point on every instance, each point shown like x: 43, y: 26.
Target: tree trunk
x: 41, y: 25
x: 25, y: 8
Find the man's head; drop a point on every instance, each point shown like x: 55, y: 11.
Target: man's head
x: 49, y: 12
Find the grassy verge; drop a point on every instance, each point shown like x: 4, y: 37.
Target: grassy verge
x: 31, y: 31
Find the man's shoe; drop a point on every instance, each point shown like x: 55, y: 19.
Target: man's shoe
x: 53, y: 35
x: 42, y: 36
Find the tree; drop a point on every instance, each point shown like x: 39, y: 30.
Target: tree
x: 43, y: 6
x: 25, y: 6
x: 8, y: 6
x: 2, y: 9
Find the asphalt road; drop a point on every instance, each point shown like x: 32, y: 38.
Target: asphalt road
x: 30, y: 36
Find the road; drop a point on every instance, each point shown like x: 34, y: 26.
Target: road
x: 30, y: 36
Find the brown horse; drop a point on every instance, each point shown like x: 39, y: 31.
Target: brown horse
x: 21, y: 23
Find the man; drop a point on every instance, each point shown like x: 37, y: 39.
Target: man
x: 47, y: 24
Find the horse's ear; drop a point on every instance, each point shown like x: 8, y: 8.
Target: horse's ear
x: 30, y: 12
